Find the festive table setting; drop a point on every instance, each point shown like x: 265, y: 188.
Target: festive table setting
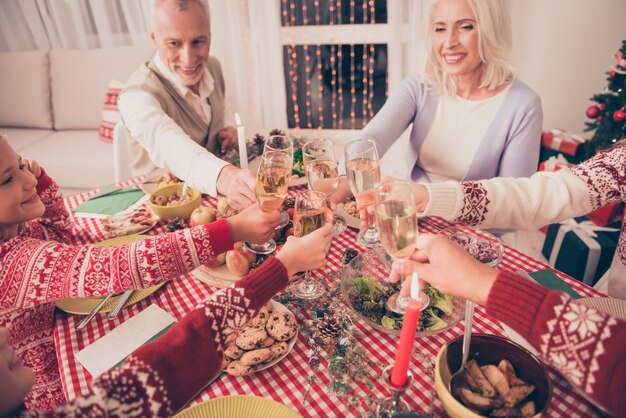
x: 336, y: 365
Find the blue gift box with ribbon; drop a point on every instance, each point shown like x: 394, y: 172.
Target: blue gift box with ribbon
x: 580, y: 248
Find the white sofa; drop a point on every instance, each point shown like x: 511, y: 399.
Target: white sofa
x: 52, y: 107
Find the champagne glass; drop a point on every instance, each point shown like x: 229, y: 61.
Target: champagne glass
x: 272, y: 181
x: 363, y: 171
x: 309, y: 215
x: 320, y: 165
x: 280, y: 142
x: 396, y: 220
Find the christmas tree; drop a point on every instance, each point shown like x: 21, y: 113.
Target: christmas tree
x: 609, y: 114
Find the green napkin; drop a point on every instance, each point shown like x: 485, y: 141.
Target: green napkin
x: 550, y: 280
x: 110, y: 200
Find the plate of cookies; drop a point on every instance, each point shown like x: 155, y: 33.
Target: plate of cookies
x: 265, y: 341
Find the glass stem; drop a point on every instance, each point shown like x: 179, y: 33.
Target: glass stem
x: 306, y: 283
x: 402, y: 301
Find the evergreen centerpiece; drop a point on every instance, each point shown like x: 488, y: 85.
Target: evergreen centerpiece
x: 609, y: 114
x: 255, y: 146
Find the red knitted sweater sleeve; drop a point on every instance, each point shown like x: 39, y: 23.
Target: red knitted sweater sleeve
x: 161, y: 377
x: 55, y: 223
x: 45, y: 271
x: 585, y: 345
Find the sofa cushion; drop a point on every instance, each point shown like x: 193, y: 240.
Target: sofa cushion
x: 74, y: 159
x: 110, y: 112
x: 80, y: 77
x: 20, y: 138
x: 25, y: 87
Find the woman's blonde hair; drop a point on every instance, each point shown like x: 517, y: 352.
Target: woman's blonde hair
x: 494, y: 47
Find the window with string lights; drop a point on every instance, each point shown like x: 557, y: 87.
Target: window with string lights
x: 335, y: 61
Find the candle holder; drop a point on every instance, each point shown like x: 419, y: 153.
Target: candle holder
x: 394, y: 405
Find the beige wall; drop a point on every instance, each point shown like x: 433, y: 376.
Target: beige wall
x: 563, y: 49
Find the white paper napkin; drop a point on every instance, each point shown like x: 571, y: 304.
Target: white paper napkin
x: 123, y: 340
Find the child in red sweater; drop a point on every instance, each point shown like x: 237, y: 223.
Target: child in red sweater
x: 585, y: 345
x: 39, y: 265
x: 148, y: 384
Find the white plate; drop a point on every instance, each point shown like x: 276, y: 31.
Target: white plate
x: 300, y: 181
x: 351, y: 221
x: 154, y: 220
x: 218, y: 276
x: 280, y: 308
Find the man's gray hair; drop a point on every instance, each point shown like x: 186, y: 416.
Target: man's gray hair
x: 178, y: 5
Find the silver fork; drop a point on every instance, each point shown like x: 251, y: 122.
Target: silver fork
x: 120, y: 304
x: 83, y: 323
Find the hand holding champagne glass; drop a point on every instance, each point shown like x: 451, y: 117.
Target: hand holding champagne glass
x: 310, y: 214
x: 273, y: 181
x: 396, y: 219
x: 320, y: 165
x: 363, y: 171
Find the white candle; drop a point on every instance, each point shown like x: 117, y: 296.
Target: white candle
x: 241, y: 139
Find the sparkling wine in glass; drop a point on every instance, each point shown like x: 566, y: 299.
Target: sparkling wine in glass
x: 320, y: 165
x: 273, y: 181
x: 363, y: 170
x: 396, y: 220
x: 309, y: 215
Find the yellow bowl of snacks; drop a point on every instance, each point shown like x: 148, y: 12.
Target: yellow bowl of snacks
x: 167, y: 202
x: 515, y: 378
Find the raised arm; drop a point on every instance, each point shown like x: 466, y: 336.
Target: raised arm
x: 584, y: 344
x: 159, y: 378
x: 148, y: 384
x: 395, y: 116
x: 523, y: 203
x: 53, y: 271
x: 55, y: 223
x: 161, y: 137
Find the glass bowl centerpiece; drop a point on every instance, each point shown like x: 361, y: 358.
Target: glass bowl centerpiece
x: 363, y: 288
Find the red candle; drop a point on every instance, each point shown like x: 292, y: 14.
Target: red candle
x: 405, y: 349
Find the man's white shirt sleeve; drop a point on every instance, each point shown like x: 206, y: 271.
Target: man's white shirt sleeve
x: 167, y: 144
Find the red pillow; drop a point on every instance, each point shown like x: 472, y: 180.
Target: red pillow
x: 110, y: 112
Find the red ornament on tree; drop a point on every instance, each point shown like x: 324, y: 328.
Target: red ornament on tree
x: 612, y: 74
x: 592, y: 112
x: 619, y: 115
x: 599, y: 119
x: 601, y: 106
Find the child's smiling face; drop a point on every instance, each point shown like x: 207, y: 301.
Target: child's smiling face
x: 19, y: 201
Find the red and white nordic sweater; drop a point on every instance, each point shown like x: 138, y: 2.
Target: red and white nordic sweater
x: 148, y: 384
x: 41, y: 266
x: 584, y: 344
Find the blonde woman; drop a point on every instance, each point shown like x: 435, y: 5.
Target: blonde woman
x: 471, y: 119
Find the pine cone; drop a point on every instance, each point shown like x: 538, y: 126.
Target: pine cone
x: 329, y: 327
x: 348, y: 255
x: 258, y: 139
x: 175, y: 224
x: 330, y: 344
x: 277, y: 132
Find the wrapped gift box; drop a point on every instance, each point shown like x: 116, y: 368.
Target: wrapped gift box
x: 554, y: 163
x: 581, y: 248
x: 562, y: 141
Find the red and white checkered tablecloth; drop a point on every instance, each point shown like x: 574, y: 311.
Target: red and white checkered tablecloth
x: 286, y: 382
